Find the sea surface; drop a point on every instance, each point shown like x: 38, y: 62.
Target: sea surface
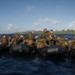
x: 12, y: 65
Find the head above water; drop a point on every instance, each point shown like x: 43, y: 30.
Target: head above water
x: 74, y: 36
x: 31, y: 32
x: 51, y: 31
x: 45, y: 30
x: 16, y: 36
x: 10, y: 37
x: 4, y: 36
x: 21, y: 36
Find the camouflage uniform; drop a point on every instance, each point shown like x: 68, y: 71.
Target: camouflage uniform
x: 14, y: 40
x: 47, y: 34
x: 72, y: 44
x: 25, y: 40
x: 4, y: 41
x: 41, y: 42
x: 31, y: 36
x: 63, y: 42
x: 29, y: 41
x: 21, y: 38
x: 53, y: 38
x: 0, y: 41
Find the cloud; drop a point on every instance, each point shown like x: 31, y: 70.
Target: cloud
x: 29, y: 8
x: 72, y: 25
x: 41, y: 21
x: 38, y: 23
x: 54, y: 22
x: 47, y: 19
x: 11, y: 28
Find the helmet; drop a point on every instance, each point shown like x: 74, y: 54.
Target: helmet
x: 45, y: 30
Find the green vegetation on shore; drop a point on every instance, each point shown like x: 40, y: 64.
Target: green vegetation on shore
x: 56, y: 32
x: 65, y: 32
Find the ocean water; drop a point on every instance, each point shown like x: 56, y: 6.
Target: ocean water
x: 12, y: 65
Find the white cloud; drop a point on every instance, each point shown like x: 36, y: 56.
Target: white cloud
x: 41, y: 21
x: 47, y: 19
x: 11, y: 28
x: 29, y: 8
x: 38, y: 23
x: 54, y: 22
x: 72, y: 25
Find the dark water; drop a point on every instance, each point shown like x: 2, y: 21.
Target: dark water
x: 10, y: 65
x: 35, y: 66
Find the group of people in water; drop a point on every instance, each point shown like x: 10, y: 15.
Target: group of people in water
x: 46, y: 39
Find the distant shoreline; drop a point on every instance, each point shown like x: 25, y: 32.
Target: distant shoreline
x: 56, y: 32
x: 40, y: 32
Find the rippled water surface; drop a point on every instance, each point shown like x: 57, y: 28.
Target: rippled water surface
x: 35, y: 66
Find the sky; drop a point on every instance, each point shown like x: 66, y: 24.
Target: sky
x: 25, y: 15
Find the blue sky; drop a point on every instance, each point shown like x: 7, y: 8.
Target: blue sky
x: 24, y: 15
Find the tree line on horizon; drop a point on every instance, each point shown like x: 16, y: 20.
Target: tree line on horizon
x: 68, y: 31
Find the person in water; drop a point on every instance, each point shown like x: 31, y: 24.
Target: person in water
x: 31, y: 35
x: 41, y: 42
x: 14, y: 40
x: 72, y: 44
x: 3, y: 42
x: 45, y: 32
x: 10, y: 38
x: 46, y: 35
x: 29, y: 41
x: 21, y: 38
x: 62, y: 41
x: 0, y: 40
x: 4, y: 39
x: 52, y: 38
